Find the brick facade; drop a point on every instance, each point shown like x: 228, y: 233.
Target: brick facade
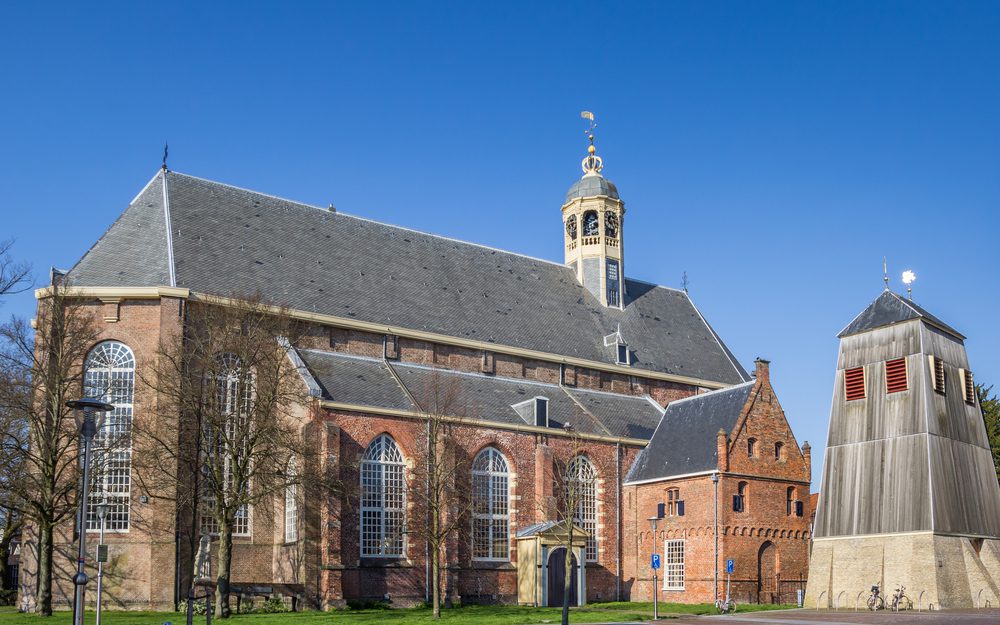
x: 150, y: 569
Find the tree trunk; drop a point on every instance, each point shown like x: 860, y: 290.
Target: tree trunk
x: 225, y: 565
x: 44, y: 598
x: 567, y: 581
x: 436, y: 577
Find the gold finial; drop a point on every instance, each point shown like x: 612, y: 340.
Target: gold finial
x: 592, y: 164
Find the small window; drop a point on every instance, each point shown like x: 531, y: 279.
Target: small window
x: 391, y: 346
x: 541, y: 412
x: 673, y: 565
x: 895, y: 375
x: 968, y: 386
x: 790, y: 500
x: 937, y: 374
x: 623, y: 355
x: 854, y: 383
x: 752, y: 447
x: 799, y: 508
x: 675, y: 506
x: 779, y: 451
x: 740, y: 498
x: 488, y: 364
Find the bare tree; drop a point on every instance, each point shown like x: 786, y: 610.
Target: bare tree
x: 576, y: 486
x: 441, y: 475
x: 230, y: 406
x: 42, y: 371
x: 14, y: 276
x: 12, y: 432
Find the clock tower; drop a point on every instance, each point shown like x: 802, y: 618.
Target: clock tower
x: 593, y: 216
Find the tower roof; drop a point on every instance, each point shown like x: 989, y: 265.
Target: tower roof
x: 592, y: 185
x: 891, y: 308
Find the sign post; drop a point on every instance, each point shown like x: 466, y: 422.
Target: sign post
x: 730, y: 567
x: 655, y: 563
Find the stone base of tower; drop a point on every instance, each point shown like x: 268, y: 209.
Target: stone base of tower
x: 946, y: 571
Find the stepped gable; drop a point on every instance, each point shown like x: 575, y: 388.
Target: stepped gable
x: 227, y: 240
x: 685, y: 440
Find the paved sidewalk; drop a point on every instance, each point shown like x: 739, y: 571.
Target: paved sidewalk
x: 830, y: 617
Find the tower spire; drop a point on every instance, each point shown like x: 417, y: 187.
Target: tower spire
x: 885, y: 273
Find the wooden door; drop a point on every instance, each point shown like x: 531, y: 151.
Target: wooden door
x: 557, y: 577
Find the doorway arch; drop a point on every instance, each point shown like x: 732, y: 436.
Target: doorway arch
x: 767, y: 573
x: 557, y: 577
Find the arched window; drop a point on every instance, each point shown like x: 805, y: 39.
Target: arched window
x: 383, y: 499
x: 292, y: 502
x: 226, y: 424
x: 779, y: 451
x: 581, y: 486
x: 490, y: 506
x: 110, y: 375
x: 752, y: 447
x: 790, y: 500
x: 740, y: 498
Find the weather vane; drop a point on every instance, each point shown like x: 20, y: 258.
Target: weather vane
x: 908, y: 278
x: 165, y: 146
x: 592, y: 164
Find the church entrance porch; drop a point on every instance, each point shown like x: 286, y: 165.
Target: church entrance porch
x: 541, y: 564
x: 557, y: 577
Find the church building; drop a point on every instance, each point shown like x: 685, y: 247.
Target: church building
x: 558, y: 367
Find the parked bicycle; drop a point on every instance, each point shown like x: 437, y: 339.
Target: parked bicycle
x: 875, y: 600
x: 726, y: 605
x: 899, y: 600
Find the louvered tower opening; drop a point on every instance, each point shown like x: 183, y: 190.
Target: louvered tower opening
x: 895, y: 375
x: 854, y: 383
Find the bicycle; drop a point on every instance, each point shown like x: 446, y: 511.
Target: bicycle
x: 899, y: 600
x: 875, y: 600
x: 726, y: 605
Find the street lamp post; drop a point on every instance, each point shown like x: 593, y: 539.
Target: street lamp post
x: 102, y: 514
x: 89, y: 414
x: 653, y: 520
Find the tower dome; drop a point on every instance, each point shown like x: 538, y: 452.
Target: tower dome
x: 592, y: 185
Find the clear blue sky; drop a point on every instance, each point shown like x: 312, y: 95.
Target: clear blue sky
x: 774, y: 151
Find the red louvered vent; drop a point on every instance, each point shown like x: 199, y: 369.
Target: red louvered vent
x: 895, y: 375
x: 854, y: 383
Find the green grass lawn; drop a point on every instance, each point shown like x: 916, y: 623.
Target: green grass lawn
x: 473, y: 615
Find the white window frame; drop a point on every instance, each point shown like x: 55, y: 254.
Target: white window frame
x: 227, y: 380
x: 383, y: 460
x: 110, y: 375
x: 673, y: 564
x: 582, y: 472
x: 292, y: 502
x: 491, y: 480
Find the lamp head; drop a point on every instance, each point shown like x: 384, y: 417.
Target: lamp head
x: 653, y: 520
x: 102, y: 510
x: 88, y: 413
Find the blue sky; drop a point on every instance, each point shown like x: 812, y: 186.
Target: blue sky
x: 773, y: 151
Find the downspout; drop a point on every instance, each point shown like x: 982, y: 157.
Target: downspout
x: 618, y: 515
x: 715, y: 531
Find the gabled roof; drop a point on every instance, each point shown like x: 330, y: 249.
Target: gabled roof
x: 686, y: 441
x: 370, y: 382
x: 890, y: 308
x: 229, y: 241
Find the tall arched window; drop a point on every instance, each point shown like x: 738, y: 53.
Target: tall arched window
x: 224, y: 434
x: 752, y: 447
x: 581, y: 484
x: 740, y: 498
x: 292, y: 502
x: 110, y: 375
x: 790, y: 500
x: 779, y: 451
x: 383, y: 499
x: 490, y: 506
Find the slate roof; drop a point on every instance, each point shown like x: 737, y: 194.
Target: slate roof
x: 369, y: 382
x: 890, y: 308
x: 230, y: 241
x: 686, y: 441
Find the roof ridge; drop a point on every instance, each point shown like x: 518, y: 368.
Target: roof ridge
x: 715, y: 392
x: 473, y: 374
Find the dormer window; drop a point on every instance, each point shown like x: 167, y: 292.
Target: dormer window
x: 623, y: 355
x: 541, y: 412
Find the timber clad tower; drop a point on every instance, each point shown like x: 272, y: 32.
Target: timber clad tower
x: 909, y: 492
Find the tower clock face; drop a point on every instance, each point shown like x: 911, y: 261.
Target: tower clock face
x: 571, y: 227
x: 610, y: 224
x: 590, y: 225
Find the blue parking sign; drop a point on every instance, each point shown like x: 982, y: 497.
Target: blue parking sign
x: 730, y: 565
x: 655, y: 561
